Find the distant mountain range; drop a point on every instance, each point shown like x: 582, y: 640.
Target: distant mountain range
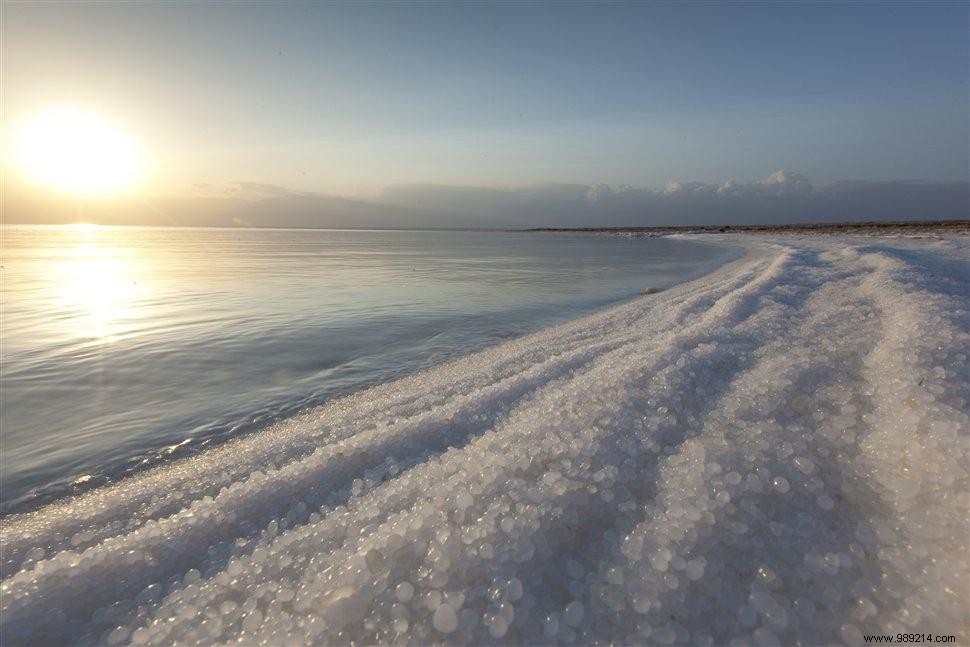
x: 782, y: 198
x: 315, y: 210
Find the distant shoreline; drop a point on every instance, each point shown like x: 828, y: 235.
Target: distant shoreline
x: 887, y: 227
x: 961, y: 226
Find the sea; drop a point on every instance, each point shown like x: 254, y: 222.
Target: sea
x: 122, y: 347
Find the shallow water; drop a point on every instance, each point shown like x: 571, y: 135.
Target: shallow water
x: 123, y: 347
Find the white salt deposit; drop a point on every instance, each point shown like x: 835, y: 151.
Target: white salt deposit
x: 775, y: 453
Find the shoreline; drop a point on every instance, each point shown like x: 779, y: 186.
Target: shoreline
x: 883, y: 228
x: 71, y: 486
x: 723, y: 459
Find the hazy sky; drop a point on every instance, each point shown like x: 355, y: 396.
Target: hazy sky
x: 351, y: 98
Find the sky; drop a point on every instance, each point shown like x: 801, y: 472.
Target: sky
x: 437, y: 104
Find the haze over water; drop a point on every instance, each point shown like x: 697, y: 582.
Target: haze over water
x: 126, y: 346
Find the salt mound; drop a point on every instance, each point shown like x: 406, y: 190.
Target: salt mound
x: 774, y: 453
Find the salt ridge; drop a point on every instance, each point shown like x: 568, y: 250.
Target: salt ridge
x: 774, y: 453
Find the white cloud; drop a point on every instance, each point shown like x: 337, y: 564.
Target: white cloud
x: 783, y: 196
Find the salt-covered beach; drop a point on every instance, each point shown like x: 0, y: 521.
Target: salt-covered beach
x: 774, y: 453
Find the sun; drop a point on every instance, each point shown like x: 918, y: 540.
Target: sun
x: 78, y: 152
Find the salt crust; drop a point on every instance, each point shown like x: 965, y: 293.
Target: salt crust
x: 774, y: 453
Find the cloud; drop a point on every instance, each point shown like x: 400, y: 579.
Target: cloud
x: 783, y: 197
x: 257, y: 190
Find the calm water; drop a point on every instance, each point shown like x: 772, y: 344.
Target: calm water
x: 122, y: 347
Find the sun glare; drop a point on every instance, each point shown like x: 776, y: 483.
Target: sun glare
x: 77, y: 152
x: 96, y: 282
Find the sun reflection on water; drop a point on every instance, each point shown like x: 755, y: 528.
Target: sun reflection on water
x: 98, y: 284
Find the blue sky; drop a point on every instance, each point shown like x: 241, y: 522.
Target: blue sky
x: 352, y: 98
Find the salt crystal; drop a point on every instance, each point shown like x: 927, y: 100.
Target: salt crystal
x: 445, y: 619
